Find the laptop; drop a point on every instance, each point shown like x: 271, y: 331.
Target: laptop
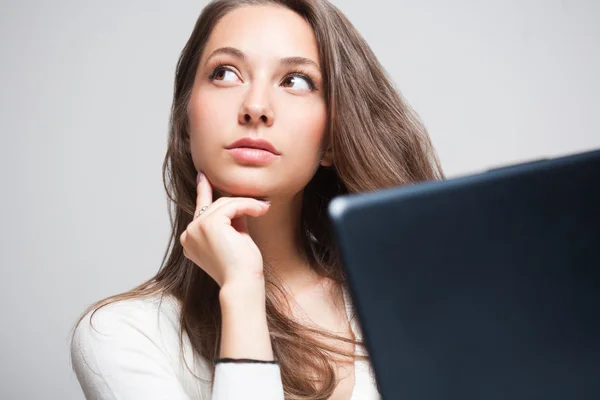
x: 480, y: 287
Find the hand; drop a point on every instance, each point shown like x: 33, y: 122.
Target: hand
x: 218, y: 240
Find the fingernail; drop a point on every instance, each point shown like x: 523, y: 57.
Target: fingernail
x: 266, y: 201
x: 199, y: 177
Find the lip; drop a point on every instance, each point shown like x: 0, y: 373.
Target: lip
x: 251, y: 143
x: 252, y: 156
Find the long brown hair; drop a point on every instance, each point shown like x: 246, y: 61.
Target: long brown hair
x: 377, y: 141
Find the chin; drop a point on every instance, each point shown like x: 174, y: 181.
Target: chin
x: 241, y: 186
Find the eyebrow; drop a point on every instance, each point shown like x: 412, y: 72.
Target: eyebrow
x: 288, y: 61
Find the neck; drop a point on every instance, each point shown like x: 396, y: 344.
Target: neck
x: 278, y: 236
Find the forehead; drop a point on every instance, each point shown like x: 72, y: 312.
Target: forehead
x: 264, y: 32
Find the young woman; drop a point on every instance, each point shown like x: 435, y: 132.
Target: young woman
x: 279, y: 105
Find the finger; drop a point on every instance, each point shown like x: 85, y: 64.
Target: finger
x: 226, y: 201
x: 220, y: 202
x: 240, y: 224
x: 204, y: 192
x: 216, y: 205
x: 183, y: 238
x: 238, y: 207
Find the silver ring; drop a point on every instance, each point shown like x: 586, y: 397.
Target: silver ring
x: 201, y: 211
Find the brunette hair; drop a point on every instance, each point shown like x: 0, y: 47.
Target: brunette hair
x: 377, y: 141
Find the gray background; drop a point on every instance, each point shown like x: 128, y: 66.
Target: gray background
x: 85, y: 91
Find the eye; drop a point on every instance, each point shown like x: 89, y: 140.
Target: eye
x: 300, y: 80
x: 221, y: 73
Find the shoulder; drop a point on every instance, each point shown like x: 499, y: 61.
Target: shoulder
x: 148, y: 312
x: 153, y: 317
x: 148, y: 322
x: 127, y: 340
x: 143, y: 330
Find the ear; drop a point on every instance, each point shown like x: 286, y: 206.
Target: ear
x: 327, y: 159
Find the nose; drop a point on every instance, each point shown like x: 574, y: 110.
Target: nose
x: 256, y: 108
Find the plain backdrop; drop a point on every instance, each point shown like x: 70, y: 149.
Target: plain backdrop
x: 85, y: 92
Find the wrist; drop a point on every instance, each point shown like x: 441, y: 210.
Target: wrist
x: 245, y: 331
x: 249, y: 292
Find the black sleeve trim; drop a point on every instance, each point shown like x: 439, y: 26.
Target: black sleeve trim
x: 243, y: 361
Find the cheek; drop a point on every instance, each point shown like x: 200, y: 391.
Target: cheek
x: 308, y: 132
x: 207, y: 119
x: 303, y: 130
x: 205, y: 114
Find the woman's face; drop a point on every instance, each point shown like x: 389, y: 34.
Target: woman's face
x: 259, y: 78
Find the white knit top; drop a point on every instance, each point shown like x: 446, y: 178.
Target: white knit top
x: 133, y: 352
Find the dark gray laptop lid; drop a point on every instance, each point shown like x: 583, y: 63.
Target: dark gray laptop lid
x: 481, y: 287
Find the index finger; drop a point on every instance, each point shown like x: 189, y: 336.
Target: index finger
x: 204, y: 194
